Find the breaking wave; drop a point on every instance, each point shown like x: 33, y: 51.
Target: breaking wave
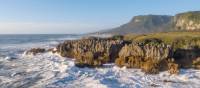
x: 49, y: 70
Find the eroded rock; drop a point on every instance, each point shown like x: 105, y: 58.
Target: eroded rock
x: 92, y: 51
x: 150, y: 58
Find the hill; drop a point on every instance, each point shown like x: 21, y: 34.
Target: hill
x: 188, y: 21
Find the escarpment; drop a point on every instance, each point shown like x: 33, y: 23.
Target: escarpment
x: 150, y: 55
x: 189, y: 21
x: 144, y: 24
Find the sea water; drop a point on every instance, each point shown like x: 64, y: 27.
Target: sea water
x: 49, y: 70
x: 22, y: 71
x: 12, y: 45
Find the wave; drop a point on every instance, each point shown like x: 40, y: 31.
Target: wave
x: 50, y: 70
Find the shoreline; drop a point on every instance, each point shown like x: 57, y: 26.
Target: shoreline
x: 48, y: 69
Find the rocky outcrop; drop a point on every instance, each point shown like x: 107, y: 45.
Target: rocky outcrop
x: 150, y: 55
x: 189, y: 21
x: 92, y: 51
x: 150, y: 58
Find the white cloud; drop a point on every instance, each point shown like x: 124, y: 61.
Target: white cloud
x: 43, y: 28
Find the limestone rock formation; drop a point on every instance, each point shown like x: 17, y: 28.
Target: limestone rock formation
x: 151, y: 55
x: 91, y: 51
x: 147, y: 57
x: 189, y: 21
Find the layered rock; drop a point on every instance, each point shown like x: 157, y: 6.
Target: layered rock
x: 92, y: 51
x: 189, y: 21
x: 150, y: 58
x: 151, y: 55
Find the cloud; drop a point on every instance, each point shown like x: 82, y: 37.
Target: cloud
x: 46, y: 28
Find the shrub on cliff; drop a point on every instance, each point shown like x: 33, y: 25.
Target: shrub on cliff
x: 118, y: 37
x: 152, y: 41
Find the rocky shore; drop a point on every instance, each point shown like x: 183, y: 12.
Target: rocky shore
x: 150, y: 55
x: 91, y: 52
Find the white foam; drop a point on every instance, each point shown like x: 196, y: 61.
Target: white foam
x: 58, y: 72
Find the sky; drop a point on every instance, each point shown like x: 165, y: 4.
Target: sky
x: 80, y: 16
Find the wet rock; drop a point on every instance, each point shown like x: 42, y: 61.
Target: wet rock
x: 173, y: 68
x: 10, y: 58
x: 53, y: 50
x: 187, y: 58
x: 35, y: 51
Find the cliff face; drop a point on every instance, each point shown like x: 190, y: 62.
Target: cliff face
x: 189, y: 21
x: 145, y: 24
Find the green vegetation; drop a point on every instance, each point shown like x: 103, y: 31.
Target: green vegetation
x: 183, y: 40
x: 117, y: 37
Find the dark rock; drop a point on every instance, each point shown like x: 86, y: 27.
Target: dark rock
x: 35, y: 51
x: 113, y: 51
x: 10, y: 58
x: 187, y: 58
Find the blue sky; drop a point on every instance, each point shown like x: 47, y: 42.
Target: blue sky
x: 80, y: 16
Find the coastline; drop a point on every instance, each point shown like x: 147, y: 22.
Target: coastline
x: 51, y: 70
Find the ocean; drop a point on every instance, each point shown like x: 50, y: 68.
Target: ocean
x: 49, y: 70
x: 18, y: 70
x: 12, y: 45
